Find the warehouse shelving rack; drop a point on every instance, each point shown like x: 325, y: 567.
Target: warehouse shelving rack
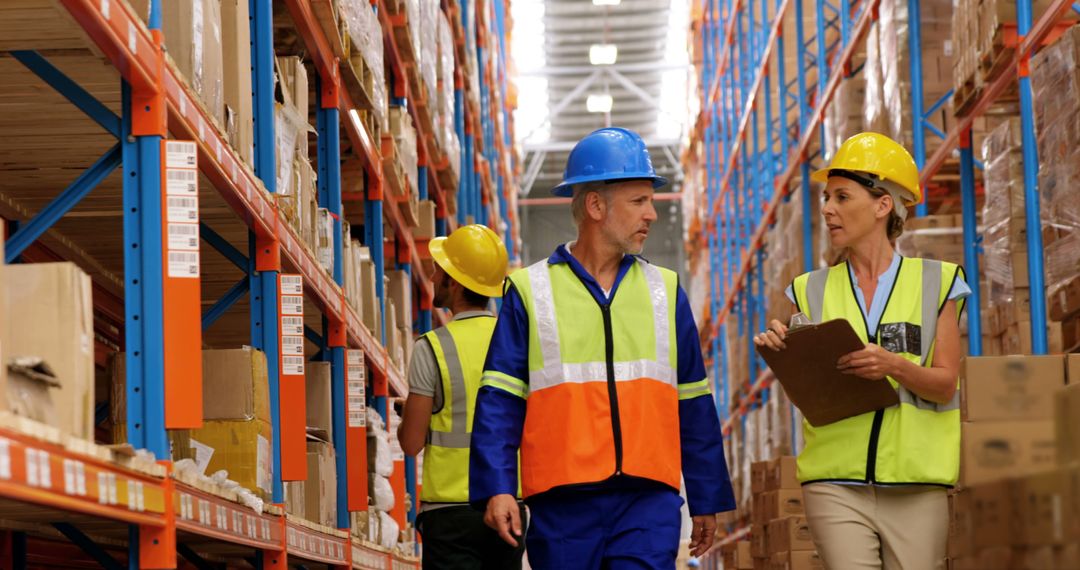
x: 158, y: 516
x: 747, y: 178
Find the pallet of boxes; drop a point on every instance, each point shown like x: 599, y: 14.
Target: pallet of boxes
x: 780, y: 536
x: 1017, y: 506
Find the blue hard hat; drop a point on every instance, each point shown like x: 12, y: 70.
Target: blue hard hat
x: 606, y: 155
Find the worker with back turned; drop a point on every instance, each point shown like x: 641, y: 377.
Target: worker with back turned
x: 444, y: 376
x: 595, y: 374
x: 875, y: 484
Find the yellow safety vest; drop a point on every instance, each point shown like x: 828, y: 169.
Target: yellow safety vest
x: 915, y: 442
x: 460, y: 349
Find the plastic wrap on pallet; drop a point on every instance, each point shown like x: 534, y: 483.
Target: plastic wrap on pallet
x: 843, y: 116
x: 1055, y: 82
x: 473, y: 92
x: 1003, y: 210
x: 366, y: 35
x: 401, y: 127
x: 429, y: 44
x: 445, y: 79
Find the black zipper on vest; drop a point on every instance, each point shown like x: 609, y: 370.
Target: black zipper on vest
x: 613, y: 396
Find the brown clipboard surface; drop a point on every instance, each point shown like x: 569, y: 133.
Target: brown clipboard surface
x: 807, y: 370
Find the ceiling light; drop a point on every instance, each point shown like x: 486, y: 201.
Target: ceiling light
x: 599, y: 103
x: 606, y: 2
x: 603, y: 54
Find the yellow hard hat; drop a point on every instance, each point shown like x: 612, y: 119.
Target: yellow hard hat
x: 877, y: 154
x: 474, y: 256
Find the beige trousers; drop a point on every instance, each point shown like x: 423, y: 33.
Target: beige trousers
x: 858, y: 527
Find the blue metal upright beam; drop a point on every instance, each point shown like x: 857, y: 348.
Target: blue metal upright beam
x: 971, y: 243
x: 143, y: 286
x: 918, y: 132
x: 1032, y: 213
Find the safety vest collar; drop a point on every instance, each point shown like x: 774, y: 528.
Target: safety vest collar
x: 555, y: 371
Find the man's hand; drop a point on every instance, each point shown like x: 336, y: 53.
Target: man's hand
x: 702, y: 535
x: 504, y: 515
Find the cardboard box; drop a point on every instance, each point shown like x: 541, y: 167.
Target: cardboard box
x: 195, y: 46
x: 961, y: 540
x: 782, y: 474
x: 799, y: 560
x: 294, y: 498
x: 5, y: 324
x: 372, y: 310
x: 1067, y: 425
x: 318, y: 397
x: 320, y: 489
x: 759, y: 473
x: 1072, y: 368
x: 997, y: 450
x: 28, y: 386
x: 241, y: 447
x: 1009, y: 387
x: 992, y: 514
x: 426, y: 213
x: 759, y: 541
x: 49, y: 305
x: 236, y: 74
x: 235, y: 385
x: 400, y: 292
x: 778, y: 504
x: 789, y: 534
x: 999, y: 558
x: 742, y: 559
x: 1039, y: 505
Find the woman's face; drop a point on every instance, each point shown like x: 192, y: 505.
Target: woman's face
x: 851, y: 212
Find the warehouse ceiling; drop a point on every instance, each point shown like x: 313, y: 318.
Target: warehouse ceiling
x: 647, y: 89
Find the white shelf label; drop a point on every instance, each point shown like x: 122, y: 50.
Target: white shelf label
x: 105, y: 9
x: 354, y: 357
x: 292, y: 345
x: 182, y: 209
x: 292, y: 326
x: 184, y: 264
x: 204, y: 512
x: 181, y: 154
x: 80, y: 478
x: 181, y: 182
x: 292, y: 365
x: 292, y: 305
x: 183, y: 237
x: 291, y: 285
x: 357, y: 419
x: 356, y: 388
x: 114, y: 498
x: 5, y: 458
x: 132, y: 35
x: 69, y: 477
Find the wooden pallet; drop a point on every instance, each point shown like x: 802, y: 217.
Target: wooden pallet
x: 448, y: 179
x: 402, y: 35
x: 966, y: 95
x: 359, y: 80
x: 1002, y: 51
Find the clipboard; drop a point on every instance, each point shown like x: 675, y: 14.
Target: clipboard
x: 807, y: 371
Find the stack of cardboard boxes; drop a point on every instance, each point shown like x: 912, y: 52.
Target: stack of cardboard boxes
x: 1055, y: 80
x: 1016, y: 504
x: 316, y: 498
x: 780, y: 537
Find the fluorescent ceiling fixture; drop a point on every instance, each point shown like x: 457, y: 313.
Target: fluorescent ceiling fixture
x: 603, y: 54
x: 606, y: 2
x: 599, y: 103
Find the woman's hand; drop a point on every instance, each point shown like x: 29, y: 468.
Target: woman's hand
x: 773, y: 337
x: 872, y: 363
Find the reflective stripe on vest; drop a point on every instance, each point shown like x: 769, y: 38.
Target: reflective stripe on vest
x: 602, y: 394
x: 460, y: 349
x: 916, y: 441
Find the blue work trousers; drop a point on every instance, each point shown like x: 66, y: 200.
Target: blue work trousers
x: 626, y: 529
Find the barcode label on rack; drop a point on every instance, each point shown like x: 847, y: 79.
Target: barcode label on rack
x: 357, y: 404
x: 292, y: 345
x: 356, y: 388
x: 355, y: 373
x: 184, y: 264
x: 105, y: 9
x: 182, y: 209
x: 292, y: 365
x: 181, y: 182
x: 183, y: 237
x: 292, y: 305
x: 181, y: 154
x: 292, y: 326
x: 133, y: 46
x: 354, y: 357
x: 291, y: 284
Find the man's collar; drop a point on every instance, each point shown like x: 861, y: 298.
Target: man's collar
x: 562, y: 254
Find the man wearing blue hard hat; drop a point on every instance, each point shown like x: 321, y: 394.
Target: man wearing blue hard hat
x: 595, y: 377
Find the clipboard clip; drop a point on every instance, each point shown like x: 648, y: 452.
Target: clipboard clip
x: 799, y: 320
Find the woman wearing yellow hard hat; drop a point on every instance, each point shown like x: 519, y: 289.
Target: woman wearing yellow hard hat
x: 875, y: 484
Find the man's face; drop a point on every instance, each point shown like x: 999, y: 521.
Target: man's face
x: 629, y: 213
x: 441, y: 283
